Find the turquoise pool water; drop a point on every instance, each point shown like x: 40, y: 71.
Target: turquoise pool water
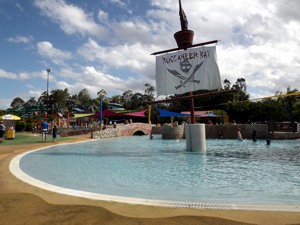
x: 229, y: 172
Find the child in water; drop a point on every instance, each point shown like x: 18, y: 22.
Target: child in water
x: 239, y: 135
x: 254, y: 136
x: 268, y: 140
x: 54, y: 133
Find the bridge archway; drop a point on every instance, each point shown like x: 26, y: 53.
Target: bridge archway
x: 138, y: 133
x: 135, y: 129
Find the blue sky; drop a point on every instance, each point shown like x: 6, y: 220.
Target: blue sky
x: 106, y: 44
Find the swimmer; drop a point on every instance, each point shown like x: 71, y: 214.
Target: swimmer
x: 239, y: 135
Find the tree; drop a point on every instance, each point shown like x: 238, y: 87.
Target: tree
x: 31, y: 102
x: 16, y: 103
x: 85, y: 100
x: 289, y: 103
x: 241, y: 87
x: 240, y: 84
x: 43, y: 100
x: 296, y: 112
x: 137, y: 101
x: 227, y: 84
x: 58, y: 100
x: 95, y: 105
x: 116, y: 99
x: 102, y: 93
x: 149, y: 92
x: 126, y: 98
x: 84, y: 94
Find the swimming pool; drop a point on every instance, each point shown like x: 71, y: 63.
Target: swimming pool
x: 229, y: 172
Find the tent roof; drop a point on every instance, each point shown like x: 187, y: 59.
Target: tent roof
x: 138, y: 113
x: 106, y: 112
x: 76, y: 116
x: 197, y: 113
x: 166, y: 113
x: 210, y: 115
x: 202, y: 114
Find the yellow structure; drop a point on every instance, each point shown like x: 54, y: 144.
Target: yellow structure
x: 11, y: 134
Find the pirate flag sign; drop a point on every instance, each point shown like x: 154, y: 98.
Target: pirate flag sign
x: 189, y: 70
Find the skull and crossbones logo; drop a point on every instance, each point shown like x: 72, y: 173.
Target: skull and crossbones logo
x: 185, y: 67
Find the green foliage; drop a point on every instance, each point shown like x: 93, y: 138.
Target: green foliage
x: 28, y: 127
x: 58, y: 100
x: 16, y: 103
x: 236, y: 105
x: 20, y: 125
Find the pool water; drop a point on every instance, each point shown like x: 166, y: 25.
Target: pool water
x: 229, y: 172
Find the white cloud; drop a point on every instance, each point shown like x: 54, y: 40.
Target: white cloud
x: 5, y: 103
x: 71, y: 18
x: 95, y: 80
x: 135, y: 58
x: 288, y: 9
x: 20, y: 39
x: 36, y: 93
x: 118, y: 2
x: 57, y: 56
x: 255, y: 41
x: 116, y: 56
x: 259, y: 41
x: 8, y: 75
x: 21, y: 75
x: 133, y: 31
x: 24, y: 76
x: 102, y: 16
x: 18, y: 5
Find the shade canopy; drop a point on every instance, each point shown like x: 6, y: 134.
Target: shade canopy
x: 203, y: 114
x: 138, y: 113
x: 106, y: 112
x: 9, y: 117
x: 77, y: 116
x: 166, y: 113
x: 210, y: 115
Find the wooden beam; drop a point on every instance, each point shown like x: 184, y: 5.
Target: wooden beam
x: 192, y: 46
x: 193, y: 96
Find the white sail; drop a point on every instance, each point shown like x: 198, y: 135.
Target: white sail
x: 187, y: 70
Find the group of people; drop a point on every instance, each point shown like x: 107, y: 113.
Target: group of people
x: 45, y: 129
x: 240, y: 137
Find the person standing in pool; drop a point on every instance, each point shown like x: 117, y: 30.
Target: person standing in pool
x: 54, y: 133
x: 44, y: 130
x: 239, y: 135
x: 268, y: 140
x: 254, y: 136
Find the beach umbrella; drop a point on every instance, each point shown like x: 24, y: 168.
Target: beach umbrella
x: 9, y: 117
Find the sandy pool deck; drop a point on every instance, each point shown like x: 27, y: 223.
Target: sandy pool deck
x: 21, y: 203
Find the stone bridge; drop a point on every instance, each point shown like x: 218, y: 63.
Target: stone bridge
x: 134, y: 129
x: 123, y: 130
